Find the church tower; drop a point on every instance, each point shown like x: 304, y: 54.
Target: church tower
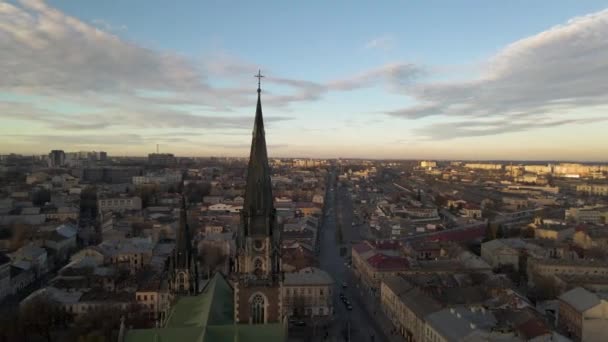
x: 183, y: 269
x: 256, y: 271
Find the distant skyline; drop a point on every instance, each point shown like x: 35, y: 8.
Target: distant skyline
x: 472, y: 80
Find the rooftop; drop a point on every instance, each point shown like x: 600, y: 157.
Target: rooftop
x: 580, y: 299
x: 455, y: 324
x: 308, y: 276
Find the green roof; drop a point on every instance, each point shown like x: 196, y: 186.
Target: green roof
x: 214, y: 306
x: 246, y: 332
x: 207, y: 317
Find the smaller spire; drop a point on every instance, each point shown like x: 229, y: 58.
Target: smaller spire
x: 259, y: 77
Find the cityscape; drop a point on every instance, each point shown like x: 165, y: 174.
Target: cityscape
x: 145, y: 196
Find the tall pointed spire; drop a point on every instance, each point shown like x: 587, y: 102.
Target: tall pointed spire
x: 258, y: 208
x: 183, y: 243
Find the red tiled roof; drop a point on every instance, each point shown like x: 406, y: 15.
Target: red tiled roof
x: 386, y: 244
x: 533, y: 328
x: 460, y: 235
x: 362, y: 247
x: 383, y: 262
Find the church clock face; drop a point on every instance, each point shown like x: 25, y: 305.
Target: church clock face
x: 258, y: 245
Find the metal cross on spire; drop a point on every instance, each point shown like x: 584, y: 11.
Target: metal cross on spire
x: 259, y: 77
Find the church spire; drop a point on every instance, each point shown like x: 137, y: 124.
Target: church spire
x: 258, y: 208
x: 183, y: 243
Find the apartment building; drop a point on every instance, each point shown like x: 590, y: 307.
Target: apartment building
x: 308, y: 293
x: 583, y: 315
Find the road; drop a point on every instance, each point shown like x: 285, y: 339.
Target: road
x: 357, y: 324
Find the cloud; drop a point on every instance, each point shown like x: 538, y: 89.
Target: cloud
x: 106, y: 26
x: 150, y: 118
x: 459, y: 129
x: 555, y: 72
x: 396, y: 75
x: 385, y: 42
x: 56, y: 57
x: 81, y: 139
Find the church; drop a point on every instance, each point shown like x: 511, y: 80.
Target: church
x: 246, y: 305
x: 256, y: 275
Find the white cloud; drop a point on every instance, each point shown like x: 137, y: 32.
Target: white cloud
x: 385, y: 42
x: 106, y: 26
x: 543, y: 78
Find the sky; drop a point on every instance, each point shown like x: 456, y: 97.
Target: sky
x: 433, y: 79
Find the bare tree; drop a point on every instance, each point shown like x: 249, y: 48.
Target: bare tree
x: 103, y: 322
x: 42, y: 316
x: 298, y: 305
x: 212, y: 258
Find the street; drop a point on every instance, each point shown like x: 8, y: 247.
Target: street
x: 358, y: 324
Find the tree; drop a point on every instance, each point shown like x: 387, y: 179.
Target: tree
x: 41, y: 197
x: 88, y: 202
x: 212, y: 258
x: 298, y: 306
x: 491, y: 231
x: 545, y: 288
x: 137, y: 228
x: 42, y: 316
x: 11, y: 328
x: 147, y: 193
x: 528, y: 233
x: 195, y: 192
x: 103, y: 323
x: 19, y: 234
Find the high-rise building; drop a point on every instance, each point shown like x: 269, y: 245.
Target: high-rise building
x: 56, y: 158
x: 257, y: 277
x: 161, y: 159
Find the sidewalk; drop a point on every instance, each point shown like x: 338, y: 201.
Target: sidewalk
x: 382, y: 322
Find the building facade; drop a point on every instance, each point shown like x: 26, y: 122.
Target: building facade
x: 119, y: 203
x: 583, y: 315
x: 256, y: 276
x: 308, y: 293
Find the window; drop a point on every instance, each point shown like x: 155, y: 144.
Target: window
x: 145, y: 297
x: 257, y: 266
x: 321, y: 292
x: 257, y: 309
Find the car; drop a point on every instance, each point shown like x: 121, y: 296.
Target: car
x: 349, y: 307
x: 344, y: 285
x: 342, y: 295
x: 346, y: 302
x: 300, y: 324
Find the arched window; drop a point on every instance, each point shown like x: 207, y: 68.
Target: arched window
x: 181, y: 280
x: 257, y: 266
x: 257, y: 309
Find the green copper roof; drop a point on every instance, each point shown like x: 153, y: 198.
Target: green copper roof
x: 217, y: 333
x: 207, y: 317
x: 212, y: 307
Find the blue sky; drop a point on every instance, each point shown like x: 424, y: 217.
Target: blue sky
x: 408, y: 79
